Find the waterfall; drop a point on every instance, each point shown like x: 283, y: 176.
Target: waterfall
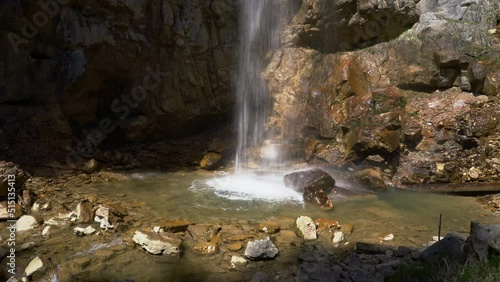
x: 260, y: 22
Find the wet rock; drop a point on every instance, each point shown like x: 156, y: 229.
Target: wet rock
x: 314, y: 177
x: 55, y: 222
x: 174, y: 225
x: 90, y: 166
x: 338, y: 236
x: 326, y: 224
x: 260, y: 277
x: 491, y: 85
x: 389, y: 237
x: 288, y: 237
x: 237, y: 260
x: 46, y: 231
x: 261, y: 249
x: 102, y: 216
x: 234, y: 247
x: 306, y: 227
x: 318, y: 197
x: 80, y: 231
x: 26, y: 222
x: 201, y: 232
x: 371, y: 179
x: 158, y: 243
x: 11, y: 173
x: 211, y: 161
x: 269, y: 226
x: 36, y: 265
x: 84, y: 212
x: 206, y: 248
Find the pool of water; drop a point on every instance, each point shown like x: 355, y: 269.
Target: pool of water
x: 222, y: 198
x: 212, y: 197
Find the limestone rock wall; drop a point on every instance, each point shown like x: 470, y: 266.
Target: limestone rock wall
x: 405, y: 99
x: 66, y: 65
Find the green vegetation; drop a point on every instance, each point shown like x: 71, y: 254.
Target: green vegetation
x: 448, y: 270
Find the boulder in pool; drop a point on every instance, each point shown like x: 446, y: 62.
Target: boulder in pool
x: 371, y: 179
x: 318, y: 197
x: 314, y: 177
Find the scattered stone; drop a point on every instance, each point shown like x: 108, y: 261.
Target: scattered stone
x: 237, y: 260
x: 338, y: 236
x: 46, y: 231
x: 328, y: 224
x: 260, y: 277
x: 35, y: 265
x: 84, y: 212
x: 306, y: 227
x: 269, y: 226
x: 46, y: 207
x: 26, y: 246
x: 388, y: 237
x: 158, y: 243
x: 206, y: 248
x: 26, y: 222
x: 313, y: 177
x: 261, y: 249
x: 211, y: 161
x: 436, y: 238
x: 201, y: 232
x: 235, y: 247
x: 318, y: 197
x: 102, y: 217
x: 175, y: 225
x: 55, y: 222
x: 80, y: 231
x: 35, y: 207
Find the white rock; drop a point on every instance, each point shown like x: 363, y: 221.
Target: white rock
x: 26, y: 222
x: 158, y: 243
x: 35, y: 207
x: 46, y: 231
x: 46, y: 207
x: 157, y: 229
x: 80, y: 231
x: 235, y: 260
x: 388, y: 237
x: 35, y: 265
x: 12, y: 279
x: 102, y: 216
x: 338, y: 236
x: 436, y: 238
x: 26, y: 246
x: 67, y: 215
x: 261, y: 249
x: 307, y: 227
x: 55, y: 222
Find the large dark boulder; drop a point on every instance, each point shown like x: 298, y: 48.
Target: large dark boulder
x: 307, y: 178
x: 10, y: 172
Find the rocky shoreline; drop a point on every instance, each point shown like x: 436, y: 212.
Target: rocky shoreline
x: 115, y: 229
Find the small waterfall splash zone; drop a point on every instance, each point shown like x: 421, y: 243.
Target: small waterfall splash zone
x: 260, y: 25
x: 260, y: 22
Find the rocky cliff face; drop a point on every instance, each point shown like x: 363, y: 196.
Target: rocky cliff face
x: 112, y: 70
x: 418, y: 97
